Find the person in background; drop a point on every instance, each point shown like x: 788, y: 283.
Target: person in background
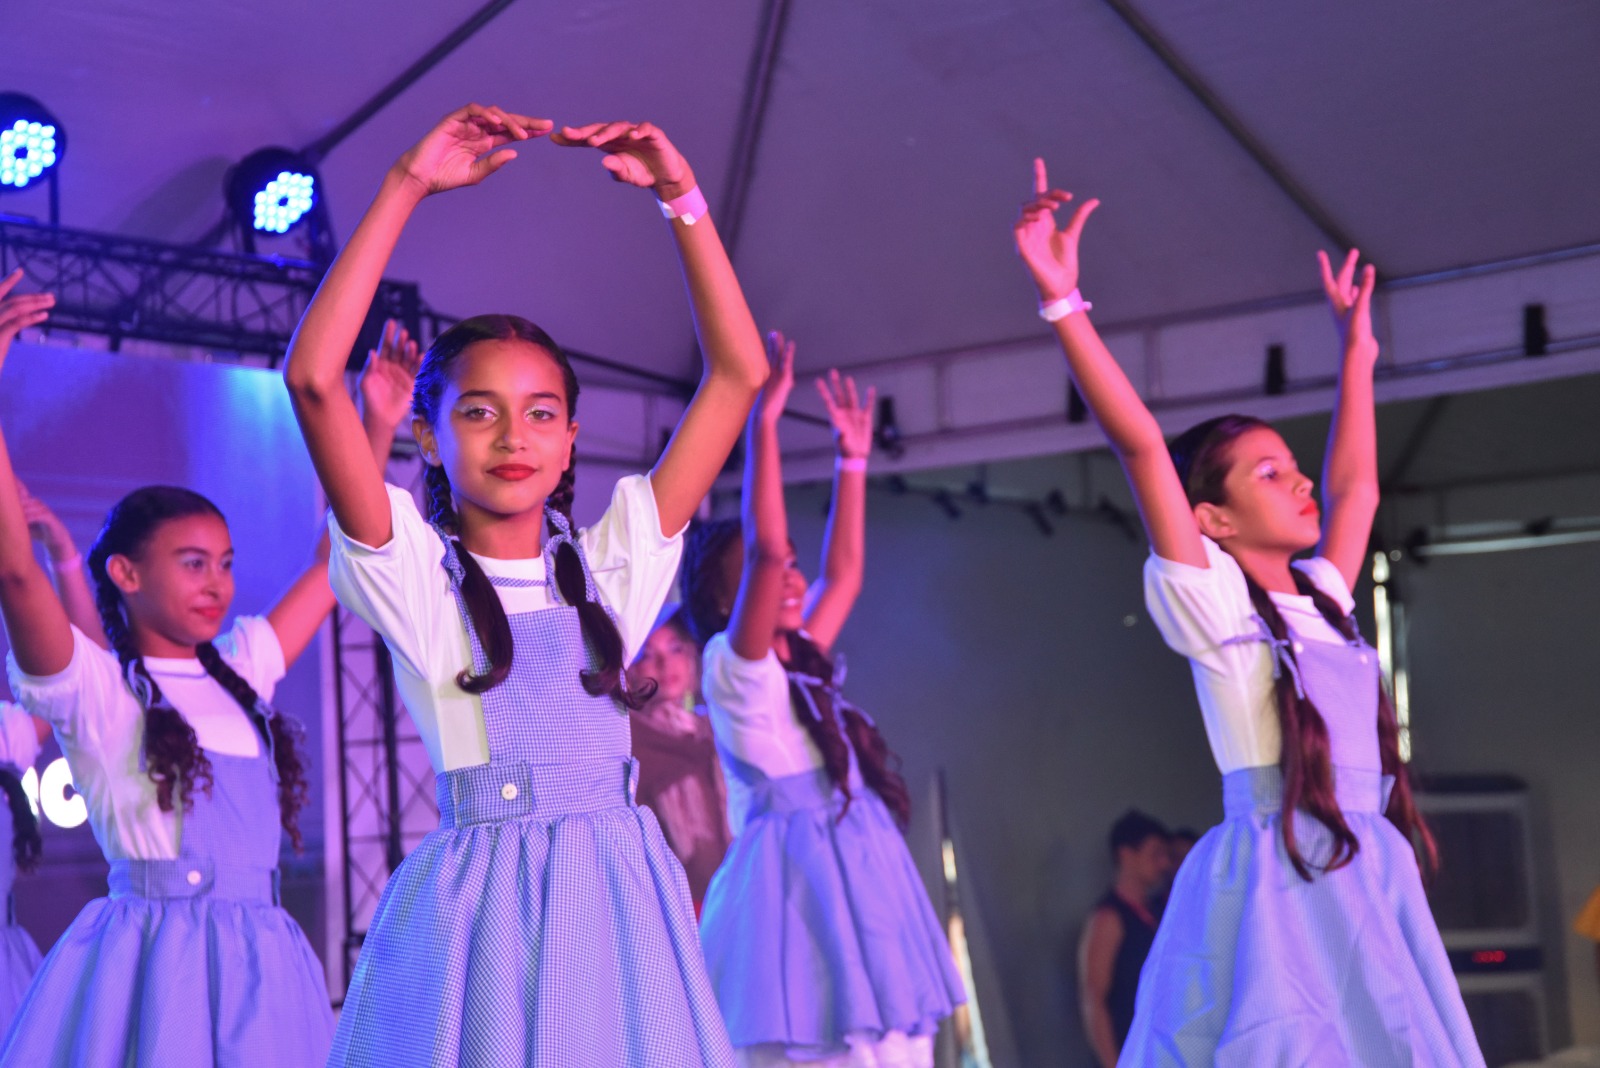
x: 1179, y: 842
x: 1120, y: 930
x: 1588, y: 924
x: 680, y: 777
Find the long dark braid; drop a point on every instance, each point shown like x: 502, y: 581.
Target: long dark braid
x: 1202, y: 456
x: 704, y: 596
x: 283, y: 733
x: 26, y: 843
x: 173, y: 757
x: 477, y: 592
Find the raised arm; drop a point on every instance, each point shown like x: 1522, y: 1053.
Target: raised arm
x: 640, y: 154
x: 463, y: 149
x: 387, y: 380
x: 844, y: 552
x: 1052, y: 258
x: 41, y: 637
x: 754, y: 621
x: 66, y: 563
x: 1350, y: 472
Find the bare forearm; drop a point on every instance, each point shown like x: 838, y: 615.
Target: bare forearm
x: 1115, y: 404
x: 1352, y: 463
x: 844, y: 549
x: 722, y: 321
x: 766, y: 520
x: 1097, y: 1024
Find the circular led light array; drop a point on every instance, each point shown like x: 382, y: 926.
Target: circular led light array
x: 283, y: 202
x: 27, y: 150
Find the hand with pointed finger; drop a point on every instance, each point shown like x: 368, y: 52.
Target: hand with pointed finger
x: 1351, y: 302
x: 637, y: 153
x: 467, y: 146
x: 389, y: 376
x: 19, y: 311
x: 850, y: 416
x: 1051, y: 254
x: 780, y: 380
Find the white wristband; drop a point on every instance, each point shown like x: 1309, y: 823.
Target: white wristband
x: 1057, y: 310
x: 71, y: 563
x: 691, y: 207
x: 850, y: 463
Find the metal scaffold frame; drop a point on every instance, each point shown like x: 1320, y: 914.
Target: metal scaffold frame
x: 125, y: 287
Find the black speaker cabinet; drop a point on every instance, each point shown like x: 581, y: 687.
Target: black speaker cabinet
x: 1486, y: 906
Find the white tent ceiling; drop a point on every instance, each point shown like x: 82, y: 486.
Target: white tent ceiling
x: 893, y: 150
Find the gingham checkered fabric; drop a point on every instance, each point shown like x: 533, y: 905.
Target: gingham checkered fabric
x: 546, y: 923
x: 189, y: 961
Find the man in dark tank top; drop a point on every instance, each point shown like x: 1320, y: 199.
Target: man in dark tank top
x: 1117, y: 937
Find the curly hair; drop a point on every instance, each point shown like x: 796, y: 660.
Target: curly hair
x: 173, y: 757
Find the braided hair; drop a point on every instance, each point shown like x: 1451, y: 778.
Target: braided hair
x: 488, y: 615
x: 1203, y: 456
x: 26, y: 843
x: 704, y: 594
x: 173, y: 757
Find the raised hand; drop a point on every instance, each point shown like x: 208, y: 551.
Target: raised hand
x: 637, y: 153
x: 18, y: 311
x: 45, y: 526
x: 1351, y: 302
x: 389, y: 376
x: 1051, y: 254
x: 780, y: 381
x: 851, y: 419
x: 467, y: 146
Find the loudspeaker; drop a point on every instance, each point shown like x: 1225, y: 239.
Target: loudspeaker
x: 1486, y: 906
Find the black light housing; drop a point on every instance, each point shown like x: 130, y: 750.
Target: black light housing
x: 32, y: 142
x: 271, y: 191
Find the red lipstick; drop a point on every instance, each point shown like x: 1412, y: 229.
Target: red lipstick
x: 512, y: 472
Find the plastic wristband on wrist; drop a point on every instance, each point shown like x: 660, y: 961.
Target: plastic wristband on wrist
x: 850, y: 463
x: 691, y: 207
x: 71, y: 563
x: 1057, y: 310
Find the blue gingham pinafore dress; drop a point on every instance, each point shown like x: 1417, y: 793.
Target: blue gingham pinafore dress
x: 188, y: 962
x: 546, y: 924
x: 817, y: 927
x: 19, y: 954
x: 1253, y: 966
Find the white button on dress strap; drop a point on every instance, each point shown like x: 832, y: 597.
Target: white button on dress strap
x: 194, y: 878
x: 509, y: 791
x: 1299, y: 648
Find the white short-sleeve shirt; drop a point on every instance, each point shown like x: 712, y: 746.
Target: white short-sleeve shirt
x: 100, y: 726
x: 402, y: 591
x: 1198, y: 609
x: 19, y: 741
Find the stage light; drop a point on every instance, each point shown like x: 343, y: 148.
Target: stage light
x: 32, y: 141
x: 271, y: 191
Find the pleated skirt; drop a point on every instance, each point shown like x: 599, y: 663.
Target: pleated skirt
x: 1253, y: 966
x: 546, y: 924
x: 818, y: 930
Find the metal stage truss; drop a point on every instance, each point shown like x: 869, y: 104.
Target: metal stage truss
x: 385, y: 778
x: 124, y: 287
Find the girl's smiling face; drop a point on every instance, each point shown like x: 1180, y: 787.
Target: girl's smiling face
x: 504, y: 431
x: 1268, y: 504
x: 179, y: 585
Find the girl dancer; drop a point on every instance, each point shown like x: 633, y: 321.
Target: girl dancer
x: 546, y: 922
x: 21, y: 737
x: 680, y: 778
x: 190, y: 779
x: 819, y: 936
x: 1297, y: 931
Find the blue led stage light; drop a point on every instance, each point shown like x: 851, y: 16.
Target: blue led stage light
x: 272, y: 190
x: 32, y: 141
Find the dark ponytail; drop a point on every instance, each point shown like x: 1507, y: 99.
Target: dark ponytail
x: 704, y: 595
x: 1202, y: 456
x: 173, y: 757
x: 483, y: 605
x: 26, y: 844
